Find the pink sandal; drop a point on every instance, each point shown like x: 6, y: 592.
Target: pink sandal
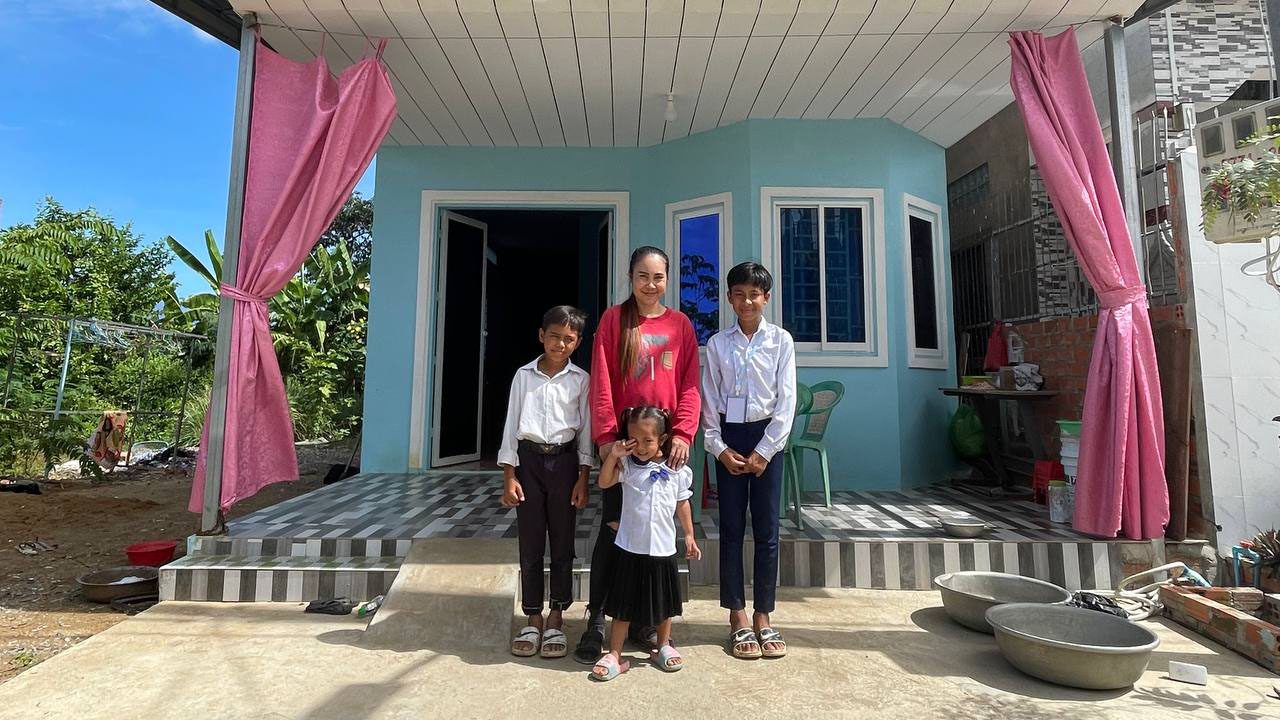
x: 612, y: 668
x: 667, y: 655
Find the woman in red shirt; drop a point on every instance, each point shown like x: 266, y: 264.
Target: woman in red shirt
x: 643, y: 354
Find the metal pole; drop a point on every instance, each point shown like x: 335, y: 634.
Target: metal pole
x: 62, y: 386
x: 182, y: 407
x: 137, y: 404
x: 13, y: 353
x: 1123, y: 162
x: 1272, y: 29
x: 210, y: 516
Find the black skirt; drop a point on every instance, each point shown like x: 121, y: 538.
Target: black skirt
x: 645, y: 589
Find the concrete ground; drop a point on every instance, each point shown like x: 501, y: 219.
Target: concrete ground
x: 854, y: 653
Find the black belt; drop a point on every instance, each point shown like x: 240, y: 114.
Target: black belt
x: 545, y: 448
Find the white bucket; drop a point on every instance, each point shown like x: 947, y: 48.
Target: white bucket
x: 1061, y: 503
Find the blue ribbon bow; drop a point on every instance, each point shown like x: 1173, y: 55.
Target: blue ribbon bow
x: 658, y: 474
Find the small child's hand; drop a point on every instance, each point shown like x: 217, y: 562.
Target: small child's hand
x: 579, y: 496
x: 513, y: 494
x: 691, y: 549
x: 622, y: 448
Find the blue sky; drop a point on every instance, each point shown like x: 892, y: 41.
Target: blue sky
x: 119, y: 105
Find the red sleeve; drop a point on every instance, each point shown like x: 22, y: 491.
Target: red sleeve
x: 604, y: 419
x: 688, y: 396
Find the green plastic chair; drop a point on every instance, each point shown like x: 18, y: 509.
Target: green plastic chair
x: 825, y: 396
x: 791, y: 478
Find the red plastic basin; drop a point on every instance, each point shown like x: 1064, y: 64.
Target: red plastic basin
x: 153, y: 552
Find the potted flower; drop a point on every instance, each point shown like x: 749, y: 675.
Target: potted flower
x: 1267, y: 545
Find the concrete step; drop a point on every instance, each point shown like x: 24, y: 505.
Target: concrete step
x: 235, y: 578
x: 299, y: 547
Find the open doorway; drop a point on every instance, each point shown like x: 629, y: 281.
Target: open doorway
x: 500, y: 270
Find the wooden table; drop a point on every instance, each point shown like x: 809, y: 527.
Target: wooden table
x: 987, y: 401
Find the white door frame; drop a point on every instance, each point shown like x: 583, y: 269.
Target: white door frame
x: 445, y: 218
x: 435, y: 201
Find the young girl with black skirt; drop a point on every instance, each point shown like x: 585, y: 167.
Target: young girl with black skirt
x: 646, y: 581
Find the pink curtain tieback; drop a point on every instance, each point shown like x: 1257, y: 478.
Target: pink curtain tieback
x: 238, y: 294
x: 1122, y: 296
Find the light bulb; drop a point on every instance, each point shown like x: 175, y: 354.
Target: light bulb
x: 670, y: 113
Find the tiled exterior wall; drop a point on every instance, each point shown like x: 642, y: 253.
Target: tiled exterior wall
x: 1217, y: 44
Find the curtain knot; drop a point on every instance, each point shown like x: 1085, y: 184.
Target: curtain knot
x: 238, y: 294
x: 1122, y: 296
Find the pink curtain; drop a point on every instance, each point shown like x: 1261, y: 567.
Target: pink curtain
x: 1121, y: 486
x: 311, y: 137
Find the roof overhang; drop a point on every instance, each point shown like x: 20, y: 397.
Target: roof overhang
x: 597, y: 72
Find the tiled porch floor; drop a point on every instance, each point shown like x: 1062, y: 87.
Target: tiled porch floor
x: 403, y: 507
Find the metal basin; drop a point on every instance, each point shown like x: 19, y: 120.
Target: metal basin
x: 1072, y: 646
x: 965, y: 528
x: 103, y: 586
x: 968, y: 595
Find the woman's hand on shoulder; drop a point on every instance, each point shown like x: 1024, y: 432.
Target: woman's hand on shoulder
x: 679, y: 454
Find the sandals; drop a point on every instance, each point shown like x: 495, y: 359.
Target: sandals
x: 769, y: 635
x: 554, y: 644
x: 742, y: 639
x: 667, y: 658
x: 528, y: 634
x: 590, y: 646
x: 611, y: 666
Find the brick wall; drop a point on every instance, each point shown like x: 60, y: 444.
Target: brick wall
x: 1062, y: 347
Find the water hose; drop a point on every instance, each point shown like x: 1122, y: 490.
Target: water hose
x: 1143, y: 602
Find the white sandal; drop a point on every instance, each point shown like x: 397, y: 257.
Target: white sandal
x: 554, y: 644
x: 528, y: 634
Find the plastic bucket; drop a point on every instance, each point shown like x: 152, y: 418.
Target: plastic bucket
x: 1069, y: 428
x: 153, y: 553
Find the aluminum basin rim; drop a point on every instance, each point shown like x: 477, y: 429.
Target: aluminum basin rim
x: 1102, y: 649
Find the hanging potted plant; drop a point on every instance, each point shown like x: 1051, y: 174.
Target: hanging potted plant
x: 1246, y: 193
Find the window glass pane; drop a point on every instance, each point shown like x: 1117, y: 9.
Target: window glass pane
x: 846, y: 317
x: 801, y: 301
x: 1244, y: 129
x: 923, y: 297
x: 1273, y: 116
x: 700, y: 273
x: 1212, y: 137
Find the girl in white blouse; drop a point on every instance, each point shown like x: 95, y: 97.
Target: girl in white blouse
x: 646, y: 581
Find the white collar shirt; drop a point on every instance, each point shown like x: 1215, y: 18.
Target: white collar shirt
x: 762, y: 370
x: 650, y: 492
x: 548, y: 410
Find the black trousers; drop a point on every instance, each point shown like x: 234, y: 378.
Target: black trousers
x: 762, y: 494
x: 546, y: 514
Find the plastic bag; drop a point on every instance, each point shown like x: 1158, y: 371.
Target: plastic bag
x: 967, y: 434
x: 1091, y: 601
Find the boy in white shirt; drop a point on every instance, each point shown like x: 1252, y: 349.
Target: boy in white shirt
x: 545, y: 457
x: 748, y: 403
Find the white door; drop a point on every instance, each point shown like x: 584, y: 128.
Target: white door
x: 460, y: 340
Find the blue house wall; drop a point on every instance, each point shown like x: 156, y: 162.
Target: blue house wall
x: 890, y: 430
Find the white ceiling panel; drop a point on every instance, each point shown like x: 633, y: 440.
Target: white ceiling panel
x: 795, y: 51
x: 856, y: 58
x: 959, y: 55
x: 923, y: 16
x: 480, y: 17
x: 516, y: 18
x: 596, y: 72
x: 891, y: 57
x: 659, y: 66
x: 775, y: 17
x: 435, y: 66
x: 626, y: 18
x: 756, y: 61
x: 597, y: 88
x: 726, y: 53
x: 849, y: 17
x: 627, y: 68
x: 919, y: 63
x: 663, y: 18
x: 531, y: 65
x: 590, y: 18
x: 827, y: 52
x: 496, y: 59
x: 701, y: 17
x: 691, y: 63
x: 554, y: 18
x: 562, y: 62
